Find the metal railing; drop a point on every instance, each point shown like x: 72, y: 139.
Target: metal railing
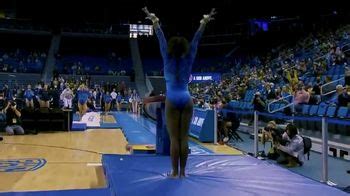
x: 328, y: 84
x: 281, y: 108
x: 324, y: 120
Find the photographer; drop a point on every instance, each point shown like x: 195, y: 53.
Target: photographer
x: 13, y: 119
x: 273, y: 133
x: 292, y: 151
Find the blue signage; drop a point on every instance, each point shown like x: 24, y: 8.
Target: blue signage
x: 202, y: 125
x: 20, y: 165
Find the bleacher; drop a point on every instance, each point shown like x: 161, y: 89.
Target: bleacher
x: 93, y: 65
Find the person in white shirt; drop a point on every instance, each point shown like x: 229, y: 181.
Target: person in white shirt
x: 292, y: 151
x: 114, y: 98
x: 67, y: 97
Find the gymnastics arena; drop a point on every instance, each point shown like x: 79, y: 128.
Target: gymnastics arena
x: 153, y: 98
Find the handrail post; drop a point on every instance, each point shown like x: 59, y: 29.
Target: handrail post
x: 215, y: 126
x: 324, y: 150
x: 256, y: 137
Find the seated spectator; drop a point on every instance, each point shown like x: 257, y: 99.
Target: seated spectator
x: 343, y: 98
x: 291, y: 147
x: 226, y: 122
x: 301, y: 96
x: 13, y: 121
x: 259, y: 104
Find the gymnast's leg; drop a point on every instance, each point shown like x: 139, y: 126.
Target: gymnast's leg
x: 172, y: 115
x: 186, y: 116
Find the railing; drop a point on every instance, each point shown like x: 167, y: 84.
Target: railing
x: 281, y: 108
x: 328, y: 84
x: 148, y: 85
x: 324, y: 120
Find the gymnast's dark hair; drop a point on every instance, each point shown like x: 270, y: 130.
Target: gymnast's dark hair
x: 178, y: 47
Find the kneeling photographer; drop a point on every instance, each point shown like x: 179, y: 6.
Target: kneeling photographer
x: 288, y: 145
x: 272, y: 133
x: 13, y: 120
x: 291, y: 149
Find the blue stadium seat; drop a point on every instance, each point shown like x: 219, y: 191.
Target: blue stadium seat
x: 331, y: 111
x: 342, y: 112
x: 313, y: 110
x: 310, y: 125
x: 306, y: 109
x: 343, y: 129
x: 322, y: 109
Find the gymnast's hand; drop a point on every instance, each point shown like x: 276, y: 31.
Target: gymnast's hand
x: 208, y: 17
x: 150, y: 16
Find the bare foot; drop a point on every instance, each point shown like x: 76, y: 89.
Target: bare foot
x: 172, y: 174
x: 182, y: 174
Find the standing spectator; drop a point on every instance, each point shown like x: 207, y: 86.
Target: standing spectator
x: 44, y: 97
x: 67, y: 97
x: 29, y: 96
x: 107, y: 101
x: 114, y: 98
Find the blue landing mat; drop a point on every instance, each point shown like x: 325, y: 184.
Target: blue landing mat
x: 207, y: 175
x: 85, y: 192
x: 134, y: 132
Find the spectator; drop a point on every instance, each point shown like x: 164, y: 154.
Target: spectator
x: 67, y: 97
x: 259, y: 104
x: 301, y: 96
x: 107, y: 101
x: 44, y: 97
x: 114, y: 98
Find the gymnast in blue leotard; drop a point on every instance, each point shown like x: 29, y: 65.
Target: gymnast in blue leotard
x: 29, y: 96
x: 178, y: 56
x: 83, y: 95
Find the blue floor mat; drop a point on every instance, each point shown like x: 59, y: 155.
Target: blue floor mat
x: 134, y: 132
x: 206, y: 175
x: 85, y: 192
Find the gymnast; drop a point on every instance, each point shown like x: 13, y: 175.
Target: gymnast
x: 83, y: 96
x: 178, y: 56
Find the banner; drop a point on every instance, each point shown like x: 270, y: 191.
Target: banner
x: 205, y: 77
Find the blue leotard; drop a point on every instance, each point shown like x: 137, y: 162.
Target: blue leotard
x: 177, y: 71
x: 29, y: 94
x: 83, y: 96
x: 107, y: 98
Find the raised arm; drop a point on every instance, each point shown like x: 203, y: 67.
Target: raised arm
x: 160, y: 35
x: 197, y: 36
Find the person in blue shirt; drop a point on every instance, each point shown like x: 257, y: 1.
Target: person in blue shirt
x: 119, y: 101
x: 29, y: 96
x: 107, y: 101
x: 83, y: 95
x: 178, y: 56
